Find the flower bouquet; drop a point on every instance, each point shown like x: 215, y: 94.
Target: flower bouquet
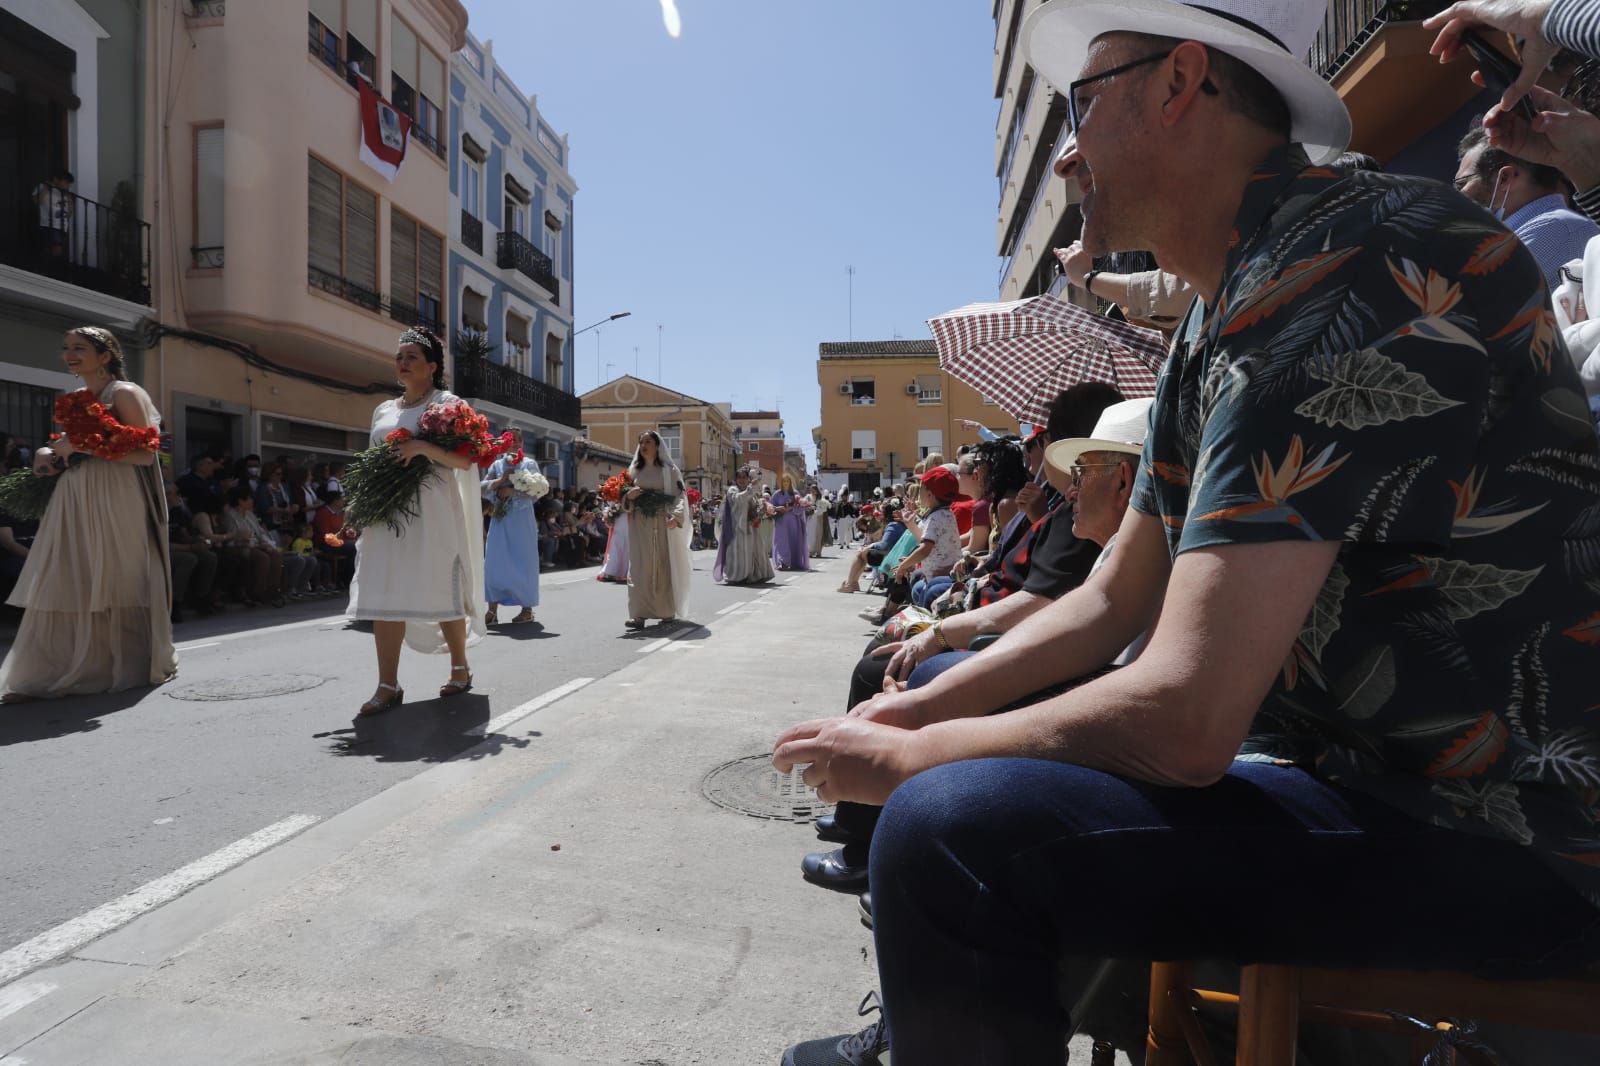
x: 527, y: 482
x: 24, y: 495
x: 651, y: 503
x: 380, y: 489
x: 613, y: 488
x: 761, y: 511
x: 89, y: 425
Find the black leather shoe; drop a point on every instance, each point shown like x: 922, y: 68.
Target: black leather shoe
x: 842, y: 870
x: 829, y: 829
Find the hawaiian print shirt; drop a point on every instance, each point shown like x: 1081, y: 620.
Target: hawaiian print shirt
x: 1381, y: 367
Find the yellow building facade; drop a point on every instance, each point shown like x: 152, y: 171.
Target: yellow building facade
x: 698, y: 435
x: 885, y: 406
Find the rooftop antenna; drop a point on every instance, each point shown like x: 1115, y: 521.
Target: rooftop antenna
x: 851, y: 272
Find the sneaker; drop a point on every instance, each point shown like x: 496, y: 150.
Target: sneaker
x: 853, y: 1049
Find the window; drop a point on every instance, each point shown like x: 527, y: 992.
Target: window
x: 929, y: 441
x: 553, y: 376
x: 516, y: 205
x: 207, y: 249
x: 864, y: 444
x: 517, y: 355
x: 552, y: 241
x: 471, y: 180
x: 474, y: 313
x: 930, y: 390
x: 354, y: 23
x: 672, y: 441
x: 416, y: 84
x: 416, y: 272
x: 343, y: 231
x: 752, y: 446
x: 863, y: 392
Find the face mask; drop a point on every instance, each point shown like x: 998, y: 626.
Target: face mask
x: 1498, y: 212
x: 253, y: 471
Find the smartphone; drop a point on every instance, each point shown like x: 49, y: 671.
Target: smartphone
x: 1499, y: 73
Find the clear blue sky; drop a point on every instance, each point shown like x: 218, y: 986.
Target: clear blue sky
x: 727, y: 178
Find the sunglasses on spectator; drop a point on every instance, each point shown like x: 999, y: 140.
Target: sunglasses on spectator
x: 1076, y: 109
x: 1077, y: 469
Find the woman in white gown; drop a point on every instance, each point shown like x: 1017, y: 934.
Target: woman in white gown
x: 422, y: 587
x: 658, y: 543
x: 96, y: 589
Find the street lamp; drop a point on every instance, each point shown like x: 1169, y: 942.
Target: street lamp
x: 586, y: 329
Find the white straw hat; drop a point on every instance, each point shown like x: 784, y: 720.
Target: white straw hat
x: 1121, y: 428
x: 1271, y: 36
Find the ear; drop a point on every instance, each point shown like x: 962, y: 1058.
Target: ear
x: 1185, y: 70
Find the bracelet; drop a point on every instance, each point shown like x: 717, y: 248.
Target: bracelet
x: 938, y: 632
x: 1088, y: 281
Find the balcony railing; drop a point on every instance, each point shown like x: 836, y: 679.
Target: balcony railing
x: 345, y: 289
x: 407, y: 315
x: 427, y: 140
x: 514, y: 250
x: 1350, y: 24
x: 76, y: 240
x: 472, y: 231
x: 207, y: 258
x: 207, y: 9
x: 478, y: 378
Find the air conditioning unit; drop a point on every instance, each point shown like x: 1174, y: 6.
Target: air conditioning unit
x: 912, y: 390
x: 845, y: 388
x: 549, y: 451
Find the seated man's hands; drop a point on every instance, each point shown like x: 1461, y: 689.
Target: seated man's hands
x: 851, y: 759
x: 1522, y: 19
x: 900, y: 707
x: 906, y: 654
x: 1562, y: 135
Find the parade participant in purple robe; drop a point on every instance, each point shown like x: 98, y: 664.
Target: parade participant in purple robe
x: 789, y: 549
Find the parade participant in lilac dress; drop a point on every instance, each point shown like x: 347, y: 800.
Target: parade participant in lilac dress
x: 790, y: 550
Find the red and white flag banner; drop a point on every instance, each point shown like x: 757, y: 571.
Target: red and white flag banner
x: 385, y: 132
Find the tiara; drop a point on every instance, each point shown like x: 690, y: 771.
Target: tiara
x: 420, y: 337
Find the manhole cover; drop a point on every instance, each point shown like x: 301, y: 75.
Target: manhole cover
x: 247, y: 687
x: 751, y: 786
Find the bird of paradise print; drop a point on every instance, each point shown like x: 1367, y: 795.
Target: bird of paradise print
x: 1296, y: 473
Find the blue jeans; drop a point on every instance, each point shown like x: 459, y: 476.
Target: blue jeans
x: 985, y: 874
x: 928, y: 589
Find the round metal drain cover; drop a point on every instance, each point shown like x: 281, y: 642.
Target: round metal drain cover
x: 247, y: 687
x: 751, y: 786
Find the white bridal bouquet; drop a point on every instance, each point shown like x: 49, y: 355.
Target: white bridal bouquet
x: 530, y: 484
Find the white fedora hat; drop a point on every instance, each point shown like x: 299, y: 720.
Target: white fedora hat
x: 1271, y: 36
x: 1121, y: 428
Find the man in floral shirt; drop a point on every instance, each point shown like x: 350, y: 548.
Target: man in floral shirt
x: 1367, y: 527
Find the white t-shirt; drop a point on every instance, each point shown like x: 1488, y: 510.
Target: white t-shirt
x: 939, y: 529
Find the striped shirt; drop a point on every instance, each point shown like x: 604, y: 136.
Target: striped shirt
x: 1575, y: 25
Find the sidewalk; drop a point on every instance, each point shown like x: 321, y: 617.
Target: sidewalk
x: 564, y: 893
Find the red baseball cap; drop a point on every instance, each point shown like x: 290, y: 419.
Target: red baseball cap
x: 942, y: 483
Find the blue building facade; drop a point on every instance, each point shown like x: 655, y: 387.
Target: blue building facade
x: 511, y: 259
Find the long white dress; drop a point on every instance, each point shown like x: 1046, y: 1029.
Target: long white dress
x: 433, y: 571
x: 96, y: 590
x: 659, y: 562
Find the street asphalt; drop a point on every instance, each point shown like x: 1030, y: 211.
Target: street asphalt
x: 103, y: 794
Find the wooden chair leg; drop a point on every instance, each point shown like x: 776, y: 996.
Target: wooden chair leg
x: 1169, y: 989
x: 1269, y: 1015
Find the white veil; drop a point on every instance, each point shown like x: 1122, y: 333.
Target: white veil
x: 680, y: 562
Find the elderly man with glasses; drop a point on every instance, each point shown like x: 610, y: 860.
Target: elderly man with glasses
x: 1361, y: 732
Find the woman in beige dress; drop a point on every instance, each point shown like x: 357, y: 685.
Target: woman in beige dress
x: 97, y: 589
x: 658, y: 543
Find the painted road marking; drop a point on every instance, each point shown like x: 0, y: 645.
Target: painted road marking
x: 733, y: 606
x: 18, y: 996
x: 572, y: 580
x: 790, y: 581
x: 74, y: 934
x: 307, y: 623
x: 655, y: 645
x: 197, y: 647
x: 527, y: 788
x: 538, y: 703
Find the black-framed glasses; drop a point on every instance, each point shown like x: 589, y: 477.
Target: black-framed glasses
x: 1072, y: 90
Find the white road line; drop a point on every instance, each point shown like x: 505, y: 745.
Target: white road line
x: 18, y: 996
x: 197, y: 647
x: 307, y: 623
x: 71, y: 935
x: 733, y: 606
x: 790, y: 581
x: 655, y: 645
x: 538, y: 703
x: 570, y: 580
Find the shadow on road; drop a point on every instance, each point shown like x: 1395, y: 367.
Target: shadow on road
x: 23, y: 723
x: 427, y: 731
x: 524, y: 631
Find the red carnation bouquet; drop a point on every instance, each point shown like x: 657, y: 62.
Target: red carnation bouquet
x: 381, y: 489
x: 89, y: 425
x: 613, y: 488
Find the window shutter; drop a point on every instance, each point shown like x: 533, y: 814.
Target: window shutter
x: 208, y: 187
x: 361, y: 236
x: 403, y: 49
x: 430, y: 78
x: 402, y: 259
x: 363, y: 22
x: 325, y: 223
x: 430, y: 264
x: 328, y: 13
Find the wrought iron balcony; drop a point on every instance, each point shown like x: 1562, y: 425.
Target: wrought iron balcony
x: 478, y: 378
x: 207, y: 258
x: 472, y: 231
x: 515, y: 250
x: 207, y: 9
x: 407, y: 315
x: 1350, y: 24
x: 345, y: 289
x: 74, y: 239
x: 427, y: 140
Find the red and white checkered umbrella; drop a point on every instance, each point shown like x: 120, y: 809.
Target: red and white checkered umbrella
x: 1022, y: 353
